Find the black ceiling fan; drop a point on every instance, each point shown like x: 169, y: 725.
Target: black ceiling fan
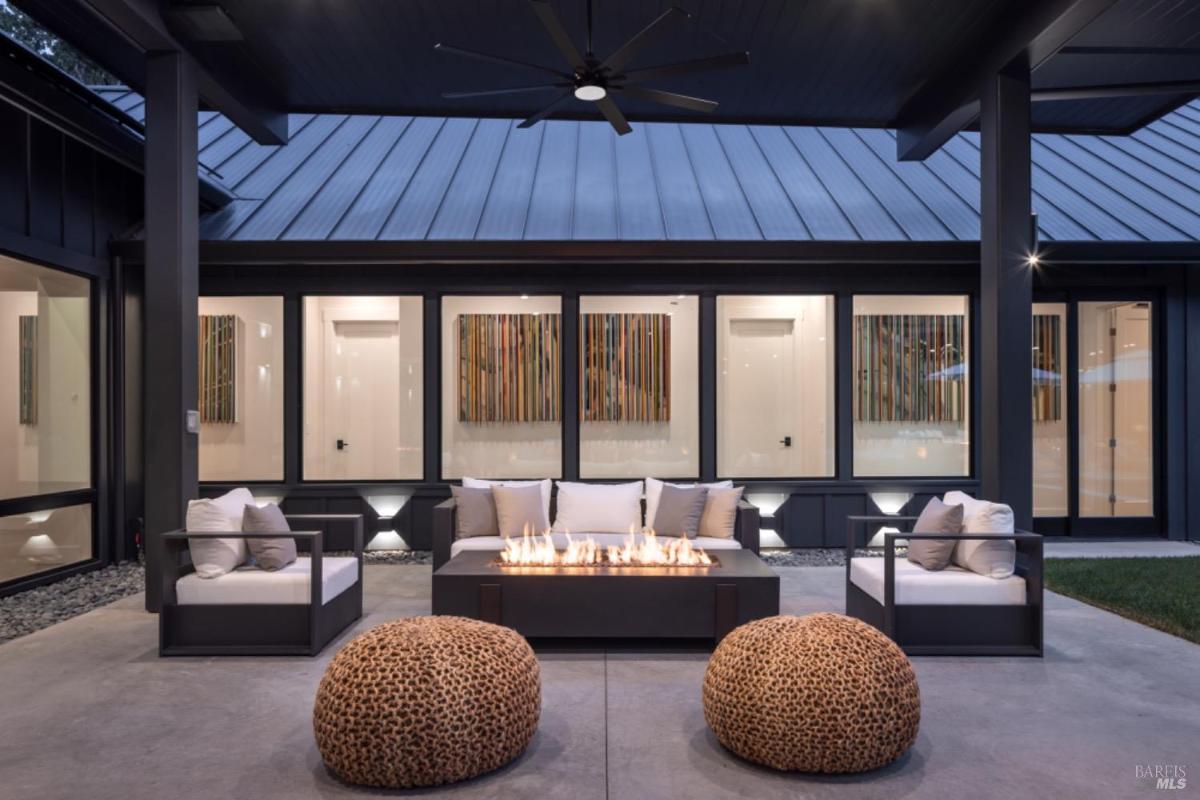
x: 595, y: 80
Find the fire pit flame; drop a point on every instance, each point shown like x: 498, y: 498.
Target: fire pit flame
x: 537, y: 550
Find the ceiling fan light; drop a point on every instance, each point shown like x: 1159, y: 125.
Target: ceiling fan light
x: 590, y: 92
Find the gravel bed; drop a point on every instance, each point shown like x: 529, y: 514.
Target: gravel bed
x: 817, y: 556
x: 32, y: 610
x: 398, y: 557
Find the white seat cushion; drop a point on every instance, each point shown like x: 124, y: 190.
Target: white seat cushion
x: 254, y: 586
x: 952, y: 586
x: 496, y: 543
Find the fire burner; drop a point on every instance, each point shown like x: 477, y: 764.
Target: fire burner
x: 538, y: 550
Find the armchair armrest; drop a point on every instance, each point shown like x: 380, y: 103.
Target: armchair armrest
x: 356, y: 519
x: 854, y: 520
x: 746, y: 523
x: 175, y: 542
x: 445, y: 523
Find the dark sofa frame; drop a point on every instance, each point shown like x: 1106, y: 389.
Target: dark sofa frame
x: 745, y: 528
x: 257, y: 629
x: 964, y: 630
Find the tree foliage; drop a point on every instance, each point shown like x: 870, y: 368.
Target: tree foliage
x: 20, y: 27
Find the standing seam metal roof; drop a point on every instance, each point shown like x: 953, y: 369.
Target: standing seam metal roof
x: 401, y: 178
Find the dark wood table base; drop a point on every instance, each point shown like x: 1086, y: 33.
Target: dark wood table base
x: 609, y: 602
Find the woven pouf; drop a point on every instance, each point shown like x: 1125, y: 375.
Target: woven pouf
x: 821, y: 693
x: 427, y: 701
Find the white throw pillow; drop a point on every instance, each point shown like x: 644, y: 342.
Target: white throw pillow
x: 993, y: 559
x: 720, y: 513
x: 654, y: 491
x: 212, y: 558
x: 545, y: 486
x: 598, y: 507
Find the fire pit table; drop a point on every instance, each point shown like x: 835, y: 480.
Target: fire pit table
x: 609, y: 601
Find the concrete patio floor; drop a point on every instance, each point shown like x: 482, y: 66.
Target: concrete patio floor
x: 90, y: 711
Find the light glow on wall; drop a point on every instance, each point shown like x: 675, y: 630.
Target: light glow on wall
x: 890, y: 502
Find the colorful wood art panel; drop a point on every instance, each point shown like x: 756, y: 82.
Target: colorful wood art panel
x: 625, y: 367
x: 1047, y: 368
x: 910, y: 368
x: 218, y: 368
x: 28, y: 365
x: 509, y: 367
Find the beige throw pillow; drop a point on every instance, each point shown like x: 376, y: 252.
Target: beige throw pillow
x: 269, y: 554
x: 476, y: 512
x: 720, y: 513
x: 519, y: 508
x: 936, y: 517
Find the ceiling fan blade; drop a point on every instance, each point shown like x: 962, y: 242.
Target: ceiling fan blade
x: 512, y: 90
x: 547, y: 111
x: 644, y: 37
x: 726, y: 61
x: 442, y: 47
x: 668, y: 98
x: 557, y: 34
x: 614, y: 116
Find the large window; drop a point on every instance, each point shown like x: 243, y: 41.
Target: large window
x: 501, y: 387
x: 639, y: 386
x: 1116, y: 418
x: 45, y: 416
x: 241, y: 388
x: 911, y: 385
x: 775, y: 386
x: 362, y: 388
x: 1050, y: 409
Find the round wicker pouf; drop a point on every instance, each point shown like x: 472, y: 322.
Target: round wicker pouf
x: 427, y: 701
x: 821, y: 693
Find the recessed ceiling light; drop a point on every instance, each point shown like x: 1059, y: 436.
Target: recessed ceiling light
x: 590, y: 92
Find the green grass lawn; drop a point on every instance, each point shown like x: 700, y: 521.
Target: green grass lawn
x: 1163, y: 593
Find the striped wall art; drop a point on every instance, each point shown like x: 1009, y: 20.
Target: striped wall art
x: 909, y: 368
x: 509, y: 367
x: 1047, y: 368
x: 218, y: 368
x: 625, y: 367
x: 27, y: 344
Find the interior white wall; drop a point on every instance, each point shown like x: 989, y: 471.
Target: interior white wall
x: 251, y: 448
x: 1050, y: 463
x: 657, y: 449
x: 396, y: 457
x: 808, y: 415
x: 883, y: 449
x: 493, y: 449
x: 51, y: 539
x: 64, y: 419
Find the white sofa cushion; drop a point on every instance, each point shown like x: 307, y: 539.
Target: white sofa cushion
x: 994, y: 559
x: 952, y: 586
x: 252, y: 586
x: 598, y: 507
x: 215, y: 557
x: 496, y: 543
x: 654, y: 491
x: 545, y: 486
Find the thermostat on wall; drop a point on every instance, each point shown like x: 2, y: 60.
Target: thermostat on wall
x: 193, y: 422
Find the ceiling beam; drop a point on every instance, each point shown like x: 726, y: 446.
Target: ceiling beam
x: 950, y: 101
x: 109, y: 30
x: 1115, y: 90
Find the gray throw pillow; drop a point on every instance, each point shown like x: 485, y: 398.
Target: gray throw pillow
x: 269, y: 554
x: 476, y: 513
x: 679, y: 511
x: 519, y: 508
x: 936, y: 517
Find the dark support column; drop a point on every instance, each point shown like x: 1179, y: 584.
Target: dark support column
x: 708, y: 387
x: 570, y: 383
x: 1006, y: 294
x: 172, y: 254
x: 1192, y: 389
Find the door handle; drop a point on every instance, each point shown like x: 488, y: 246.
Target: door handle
x: 786, y: 441
x: 342, y: 444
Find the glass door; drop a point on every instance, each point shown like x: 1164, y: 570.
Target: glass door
x: 1116, y: 420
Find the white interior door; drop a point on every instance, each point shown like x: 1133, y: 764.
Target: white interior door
x: 361, y: 426
x: 760, y: 402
